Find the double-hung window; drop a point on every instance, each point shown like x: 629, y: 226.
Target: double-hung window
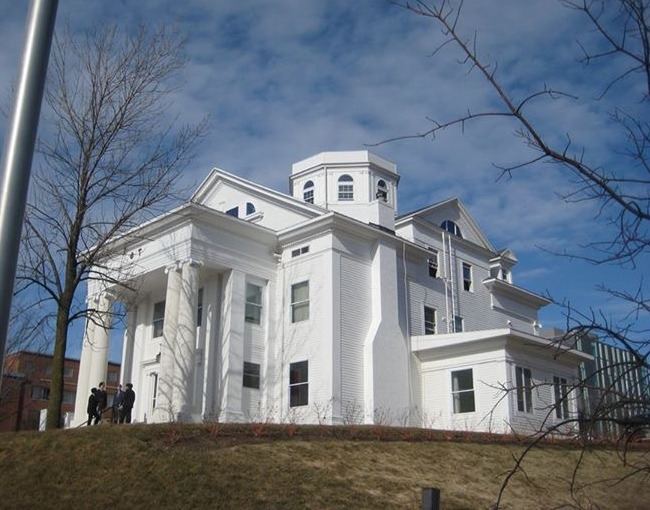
x: 462, y: 391
x: 253, y: 311
x: 432, y: 263
x: 154, y: 389
x: 458, y: 324
x: 429, y: 320
x: 158, y: 318
x: 561, y: 397
x: 298, y: 384
x: 199, y: 308
x: 524, y: 382
x: 251, y: 375
x: 467, y: 277
x: 300, y: 301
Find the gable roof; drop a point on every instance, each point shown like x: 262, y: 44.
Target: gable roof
x: 217, y: 175
x: 464, y: 213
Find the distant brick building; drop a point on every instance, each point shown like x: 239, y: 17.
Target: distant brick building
x: 26, y: 388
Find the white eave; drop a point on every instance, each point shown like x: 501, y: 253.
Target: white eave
x: 188, y: 211
x: 424, y: 344
x: 499, y: 286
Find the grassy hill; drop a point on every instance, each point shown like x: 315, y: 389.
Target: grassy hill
x: 262, y: 466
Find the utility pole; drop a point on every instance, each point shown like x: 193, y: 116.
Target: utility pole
x: 19, y: 149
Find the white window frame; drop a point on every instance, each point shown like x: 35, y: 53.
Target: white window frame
x: 296, y: 304
x: 462, y: 324
x: 468, y: 283
x: 455, y: 392
x: 435, y: 320
x: 345, y: 188
x: 432, y: 263
x: 258, y: 308
x: 300, y: 383
x: 561, y: 397
x: 155, y: 320
x: 251, y: 375
x: 308, y: 192
x: 154, y: 389
x: 524, y: 389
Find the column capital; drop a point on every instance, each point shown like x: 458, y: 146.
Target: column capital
x: 174, y: 266
x: 191, y: 262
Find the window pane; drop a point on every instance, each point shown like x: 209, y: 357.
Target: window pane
x: 233, y: 212
x: 250, y: 208
x: 251, y: 375
x: 429, y: 321
x: 300, y: 312
x: 300, y: 292
x: 458, y: 324
x: 158, y: 318
x: 253, y: 313
x: 529, y: 390
x: 298, y: 372
x: 464, y: 402
x: 299, y: 395
x: 462, y: 380
x: 253, y: 294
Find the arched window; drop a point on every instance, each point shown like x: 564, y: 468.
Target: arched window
x: 346, y: 188
x: 451, y: 227
x: 382, y: 190
x: 308, y: 192
x: 250, y: 208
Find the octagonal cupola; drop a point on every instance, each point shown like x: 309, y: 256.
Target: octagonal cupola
x: 359, y: 184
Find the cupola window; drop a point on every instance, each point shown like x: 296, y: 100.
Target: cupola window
x: 346, y: 188
x: 308, y: 192
x: 382, y: 190
x: 451, y: 227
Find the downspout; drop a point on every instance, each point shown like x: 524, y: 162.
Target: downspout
x: 445, y: 280
x: 453, y: 297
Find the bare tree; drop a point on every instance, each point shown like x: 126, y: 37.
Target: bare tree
x: 619, y: 187
x: 109, y: 160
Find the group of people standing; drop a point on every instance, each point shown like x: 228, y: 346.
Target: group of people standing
x: 122, y: 404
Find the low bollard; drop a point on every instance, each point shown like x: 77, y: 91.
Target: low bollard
x: 430, y: 498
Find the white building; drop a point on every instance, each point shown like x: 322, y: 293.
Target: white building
x: 324, y: 306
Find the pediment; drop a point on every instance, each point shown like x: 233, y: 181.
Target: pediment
x: 454, y: 210
x: 224, y: 192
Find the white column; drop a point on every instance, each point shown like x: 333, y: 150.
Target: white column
x: 166, y: 383
x: 186, y: 341
x: 232, y: 347
x: 83, y: 384
x: 99, y: 346
x: 211, y: 291
x: 127, y: 347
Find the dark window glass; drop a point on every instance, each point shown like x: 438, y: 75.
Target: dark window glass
x: 251, y: 375
x: 300, y: 302
x: 233, y: 212
x: 432, y: 262
x: 451, y: 227
x: 158, y: 318
x: 524, y: 389
x: 467, y: 277
x: 199, y: 308
x: 429, y: 321
x: 308, y: 192
x: 458, y: 324
x: 250, y: 208
x: 298, y: 384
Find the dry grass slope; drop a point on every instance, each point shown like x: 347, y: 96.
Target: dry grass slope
x: 215, y: 466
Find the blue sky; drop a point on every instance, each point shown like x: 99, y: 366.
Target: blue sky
x: 284, y: 79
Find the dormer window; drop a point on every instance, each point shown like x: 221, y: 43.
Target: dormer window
x: 451, y: 227
x: 382, y: 190
x: 346, y: 188
x: 308, y: 192
x: 250, y: 209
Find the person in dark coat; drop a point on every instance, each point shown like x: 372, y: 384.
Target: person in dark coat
x: 102, y: 399
x: 117, y: 404
x: 92, y: 407
x: 127, y: 404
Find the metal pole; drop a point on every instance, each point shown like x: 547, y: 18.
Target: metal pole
x: 19, y: 149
